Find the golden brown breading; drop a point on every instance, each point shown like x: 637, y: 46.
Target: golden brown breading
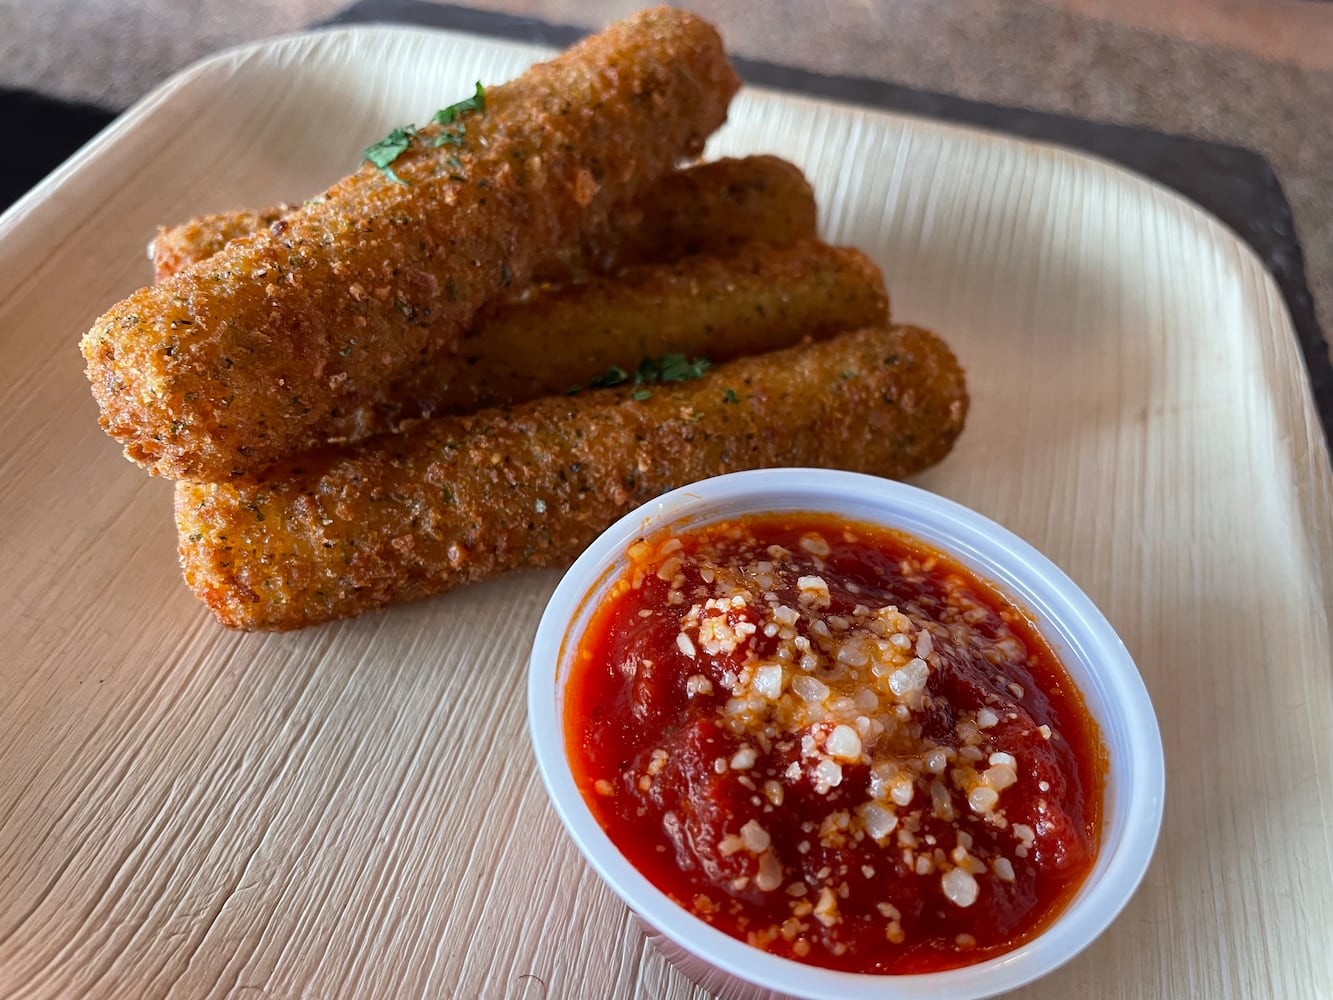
x: 459, y: 499
x: 758, y: 300
x: 712, y: 208
x: 253, y: 353
x: 176, y: 247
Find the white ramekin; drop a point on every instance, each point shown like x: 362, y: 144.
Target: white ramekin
x: 1091, y: 651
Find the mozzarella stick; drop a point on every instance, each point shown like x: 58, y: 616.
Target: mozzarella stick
x: 712, y: 209
x: 460, y: 499
x: 759, y: 300
x: 177, y: 247
x: 257, y: 351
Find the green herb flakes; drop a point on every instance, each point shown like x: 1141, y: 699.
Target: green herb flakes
x: 612, y: 376
x: 453, y: 136
x: 450, y: 137
x: 729, y: 396
x: 639, y: 395
x: 677, y: 368
x: 477, y: 103
x: 651, y: 371
x: 383, y: 153
x: 669, y: 368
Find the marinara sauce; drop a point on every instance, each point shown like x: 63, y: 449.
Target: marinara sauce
x: 834, y: 743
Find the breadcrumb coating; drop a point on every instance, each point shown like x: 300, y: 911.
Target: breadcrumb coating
x: 713, y: 209
x: 257, y: 351
x: 459, y: 499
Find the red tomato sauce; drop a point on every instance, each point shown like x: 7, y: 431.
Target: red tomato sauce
x: 834, y: 743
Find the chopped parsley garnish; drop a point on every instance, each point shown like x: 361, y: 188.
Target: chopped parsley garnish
x: 729, y: 396
x: 477, y: 102
x: 671, y: 368
x: 450, y: 137
x: 641, y: 394
x: 612, y: 376
x: 651, y: 371
x: 451, y: 114
x: 383, y: 153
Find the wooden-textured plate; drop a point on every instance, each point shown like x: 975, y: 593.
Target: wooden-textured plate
x: 353, y: 810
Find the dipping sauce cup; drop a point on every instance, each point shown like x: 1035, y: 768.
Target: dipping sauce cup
x: 1080, y: 637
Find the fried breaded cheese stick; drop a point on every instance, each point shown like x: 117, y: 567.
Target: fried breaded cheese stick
x: 712, y: 208
x: 253, y: 353
x: 459, y: 499
x: 758, y: 300
x: 177, y: 247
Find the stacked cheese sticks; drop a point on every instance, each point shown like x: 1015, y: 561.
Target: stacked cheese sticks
x: 475, y: 354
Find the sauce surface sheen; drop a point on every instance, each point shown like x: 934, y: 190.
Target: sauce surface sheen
x: 827, y: 740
